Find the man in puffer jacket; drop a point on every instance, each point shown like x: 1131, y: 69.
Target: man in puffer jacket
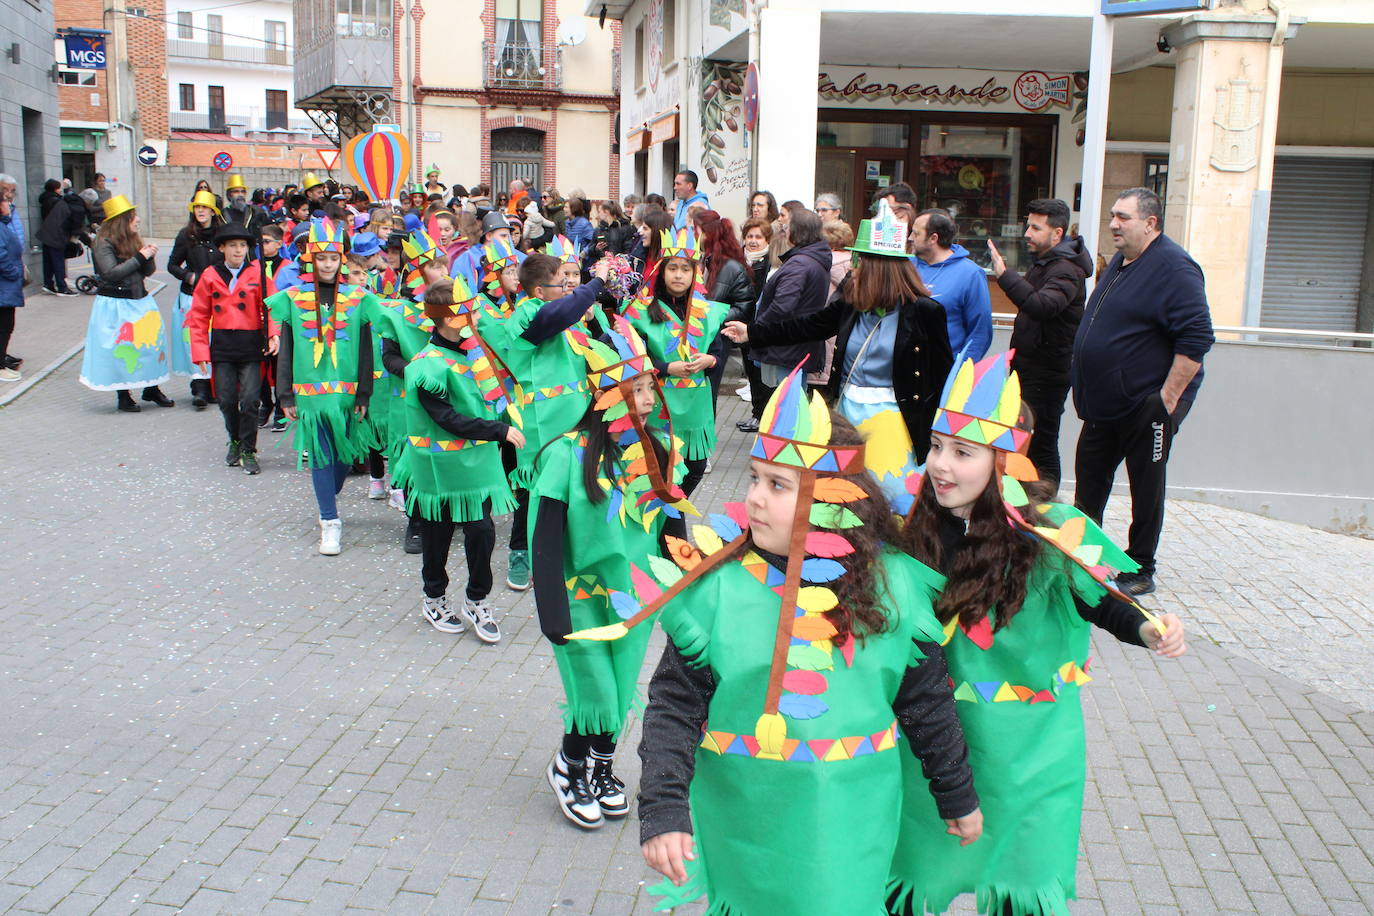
x: 798, y: 288
x: 1049, y: 301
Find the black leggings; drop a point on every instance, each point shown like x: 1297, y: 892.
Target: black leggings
x: 6, y: 330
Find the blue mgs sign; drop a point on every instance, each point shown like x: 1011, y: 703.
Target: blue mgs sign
x: 85, y: 52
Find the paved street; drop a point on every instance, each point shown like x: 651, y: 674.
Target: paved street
x: 204, y: 715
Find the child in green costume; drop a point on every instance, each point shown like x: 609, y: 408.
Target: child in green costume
x: 1027, y: 581
x: 798, y: 656
x: 678, y: 324
x: 540, y: 335
x: 324, y: 371
x: 450, y: 466
x: 406, y: 330
x: 615, y: 475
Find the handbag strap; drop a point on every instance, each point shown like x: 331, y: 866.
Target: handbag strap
x: 867, y: 340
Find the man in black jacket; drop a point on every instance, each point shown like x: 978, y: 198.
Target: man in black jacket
x: 1137, y: 365
x: 1049, y: 302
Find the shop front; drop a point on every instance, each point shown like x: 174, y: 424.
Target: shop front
x: 980, y: 144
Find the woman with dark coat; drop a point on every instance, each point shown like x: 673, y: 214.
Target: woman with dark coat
x: 891, y: 352
x: 192, y: 252
x: 55, y: 219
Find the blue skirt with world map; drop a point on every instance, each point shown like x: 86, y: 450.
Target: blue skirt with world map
x: 126, y: 345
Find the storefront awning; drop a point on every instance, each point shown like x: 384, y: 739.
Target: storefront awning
x: 664, y: 128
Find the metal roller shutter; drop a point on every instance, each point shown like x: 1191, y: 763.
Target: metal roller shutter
x: 1318, y: 218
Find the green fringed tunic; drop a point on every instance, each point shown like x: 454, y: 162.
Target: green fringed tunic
x: 1019, y: 703
x: 812, y: 833
x: 600, y: 543
x: 325, y: 369
x: 404, y: 322
x: 444, y: 477
x: 689, y: 399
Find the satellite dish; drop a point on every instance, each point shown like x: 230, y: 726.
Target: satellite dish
x: 572, y: 33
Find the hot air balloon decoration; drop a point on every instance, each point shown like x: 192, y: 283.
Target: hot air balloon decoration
x: 378, y: 162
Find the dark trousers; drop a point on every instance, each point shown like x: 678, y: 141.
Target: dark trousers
x: 759, y: 393
x: 519, y: 535
x: 55, y: 268
x: 1143, y: 440
x: 238, y: 385
x: 1046, y: 401
x: 6, y: 331
x: 696, y: 470
x: 479, y: 540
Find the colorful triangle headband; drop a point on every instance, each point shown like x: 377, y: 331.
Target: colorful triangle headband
x: 981, y: 403
x: 325, y: 235
x: 682, y: 243
x: 796, y: 433
x: 565, y: 250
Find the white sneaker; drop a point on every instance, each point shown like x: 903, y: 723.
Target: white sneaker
x: 436, y: 611
x: 570, y: 787
x: 376, y: 488
x: 397, y: 500
x: 743, y: 392
x: 607, y: 788
x: 331, y: 534
x: 709, y: 467
x: 10, y: 375
x: 478, y: 614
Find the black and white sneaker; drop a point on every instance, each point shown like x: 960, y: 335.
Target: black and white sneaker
x: 437, y: 612
x: 606, y: 787
x: 569, y: 783
x: 478, y: 613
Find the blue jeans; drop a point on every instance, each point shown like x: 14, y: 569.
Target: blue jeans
x: 328, y: 480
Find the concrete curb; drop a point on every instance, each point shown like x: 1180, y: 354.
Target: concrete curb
x: 13, y: 394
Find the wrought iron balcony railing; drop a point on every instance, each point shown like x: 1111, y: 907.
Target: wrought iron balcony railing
x: 522, y: 65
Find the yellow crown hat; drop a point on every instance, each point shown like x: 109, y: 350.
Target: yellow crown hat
x: 235, y: 184
x: 203, y: 199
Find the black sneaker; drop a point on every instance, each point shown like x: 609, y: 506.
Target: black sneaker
x: 231, y: 457
x: 1135, y: 584
x: 249, y: 460
x: 748, y: 426
x: 412, y: 543
x: 13, y: 362
x: 570, y: 787
x: 607, y: 788
x: 279, y: 424
x: 199, y: 403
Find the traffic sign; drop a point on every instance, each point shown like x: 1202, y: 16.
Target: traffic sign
x: 147, y: 155
x: 329, y: 157
x: 223, y: 161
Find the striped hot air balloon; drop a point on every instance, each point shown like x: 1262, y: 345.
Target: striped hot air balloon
x: 378, y: 162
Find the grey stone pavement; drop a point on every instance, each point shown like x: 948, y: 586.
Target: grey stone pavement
x: 201, y: 714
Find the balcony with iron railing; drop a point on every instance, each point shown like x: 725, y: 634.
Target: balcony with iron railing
x: 240, y: 122
x: 522, y: 65
x: 201, y: 51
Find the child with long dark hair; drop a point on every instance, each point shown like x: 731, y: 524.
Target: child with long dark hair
x: 615, y: 475
x: 772, y: 779
x: 679, y: 326
x: 1027, y: 581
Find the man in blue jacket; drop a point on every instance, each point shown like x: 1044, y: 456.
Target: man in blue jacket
x: 1137, y: 365
x: 685, y: 190
x: 954, y: 281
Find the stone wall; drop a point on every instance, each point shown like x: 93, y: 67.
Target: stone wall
x: 172, y: 187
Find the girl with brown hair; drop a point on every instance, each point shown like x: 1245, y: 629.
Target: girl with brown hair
x: 125, y: 339
x: 891, y: 351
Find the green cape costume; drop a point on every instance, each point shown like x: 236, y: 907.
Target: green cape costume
x: 814, y: 831
x: 689, y: 399
x: 324, y: 367
x: 1017, y: 694
x: 404, y: 322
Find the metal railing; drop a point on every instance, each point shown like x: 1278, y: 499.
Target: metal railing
x: 1248, y: 334
x: 522, y: 65
x: 232, y: 122
x: 244, y: 54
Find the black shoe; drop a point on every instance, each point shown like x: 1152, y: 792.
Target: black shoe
x: 748, y: 426
x: 231, y: 457
x: 155, y: 395
x: 127, y: 404
x: 279, y: 424
x: 264, y: 417
x: 249, y: 460
x: 1135, y: 584
x: 198, y: 402
x: 13, y: 362
x: 412, y: 539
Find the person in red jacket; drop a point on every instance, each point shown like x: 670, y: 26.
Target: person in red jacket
x: 228, y: 300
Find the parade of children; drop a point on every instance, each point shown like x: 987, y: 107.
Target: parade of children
x: 876, y: 620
